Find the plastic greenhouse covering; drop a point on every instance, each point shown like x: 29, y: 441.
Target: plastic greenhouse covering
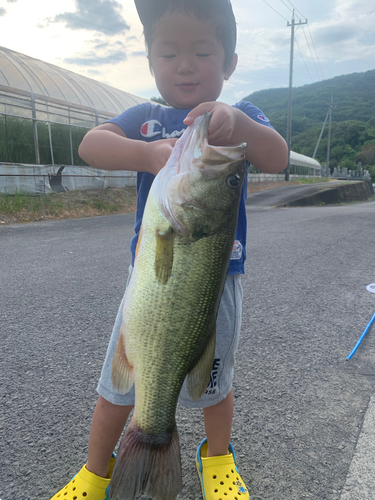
x: 44, y: 113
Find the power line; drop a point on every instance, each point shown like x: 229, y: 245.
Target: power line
x: 317, y: 58
x: 295, y: 8
x: 275, y: 10
x: 307, y: 69
x: 312, y: 56
x: 282, y: 1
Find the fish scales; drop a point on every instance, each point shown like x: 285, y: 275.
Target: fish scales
x: 155, y: 320
x: 171, y: 304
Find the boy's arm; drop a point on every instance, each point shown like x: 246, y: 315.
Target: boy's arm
x: 107, y: 147
x: 266, y: 149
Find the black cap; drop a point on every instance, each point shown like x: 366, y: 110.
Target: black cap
x: 149, y: 10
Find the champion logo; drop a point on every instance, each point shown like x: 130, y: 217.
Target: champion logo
x: 236, y: 251
x: 152, y: 128
x: 263, y: 118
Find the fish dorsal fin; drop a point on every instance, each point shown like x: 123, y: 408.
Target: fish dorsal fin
x: 199, y: 377
x: 122, y: 372
x: 164, y: 255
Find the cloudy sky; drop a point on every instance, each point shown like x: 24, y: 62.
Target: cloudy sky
x: 102, y: 39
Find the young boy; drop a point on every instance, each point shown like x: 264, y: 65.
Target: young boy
x: 190, y: 46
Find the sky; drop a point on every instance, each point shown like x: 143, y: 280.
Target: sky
x: 102, y: 39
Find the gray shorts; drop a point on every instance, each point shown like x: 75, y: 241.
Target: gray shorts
x: 227, y: 334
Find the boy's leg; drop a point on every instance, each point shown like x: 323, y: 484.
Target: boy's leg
x: 218, y: 426
x: 107, y: 425
x: 216, y: 459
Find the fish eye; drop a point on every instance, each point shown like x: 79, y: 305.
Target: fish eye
x: 233, y: 180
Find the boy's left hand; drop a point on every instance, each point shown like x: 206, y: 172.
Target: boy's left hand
x: 222, y: 123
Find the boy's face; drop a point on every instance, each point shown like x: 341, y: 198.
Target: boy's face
x: 188, y: 60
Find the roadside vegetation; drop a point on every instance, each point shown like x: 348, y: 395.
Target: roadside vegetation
x: 22, y: 207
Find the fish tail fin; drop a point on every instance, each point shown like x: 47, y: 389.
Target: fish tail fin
x: 147, y: 464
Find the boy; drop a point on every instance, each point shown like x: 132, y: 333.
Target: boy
x: 190, y: 45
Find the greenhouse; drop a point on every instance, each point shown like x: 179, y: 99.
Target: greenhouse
x: 45, y: 111
x: 300, y: 166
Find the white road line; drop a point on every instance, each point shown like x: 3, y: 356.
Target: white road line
x: 360, y: 481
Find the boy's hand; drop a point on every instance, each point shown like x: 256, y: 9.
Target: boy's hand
x: 156, y: 154
x: 266, y: 149
x: 222, y: 123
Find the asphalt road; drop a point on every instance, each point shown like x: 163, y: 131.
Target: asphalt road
x: 302, y: 412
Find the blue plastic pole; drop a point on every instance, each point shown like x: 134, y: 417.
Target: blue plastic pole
x: 361, y: 338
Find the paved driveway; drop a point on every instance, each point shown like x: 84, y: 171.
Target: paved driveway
x: 301, y: 410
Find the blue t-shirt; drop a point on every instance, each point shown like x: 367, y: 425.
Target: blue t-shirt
x: 149, y: 122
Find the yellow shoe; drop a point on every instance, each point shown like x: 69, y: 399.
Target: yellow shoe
x: 220, y: 479
x: 86, y: 486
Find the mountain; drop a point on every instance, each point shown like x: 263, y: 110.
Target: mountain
x: 353, y: 115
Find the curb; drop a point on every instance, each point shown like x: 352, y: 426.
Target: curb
x: 345, y: 193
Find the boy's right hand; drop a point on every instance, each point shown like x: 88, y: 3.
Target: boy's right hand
x: 156, y: 154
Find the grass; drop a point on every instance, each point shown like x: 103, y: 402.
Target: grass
x: 310, y: 180
x: 21, y: 207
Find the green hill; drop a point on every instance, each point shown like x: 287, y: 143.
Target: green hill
x: 353, y: 116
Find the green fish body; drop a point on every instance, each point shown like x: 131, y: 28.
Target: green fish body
x: 171, y: 304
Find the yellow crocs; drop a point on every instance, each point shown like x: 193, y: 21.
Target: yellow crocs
x: 86, y: 486
x: 219, y: 476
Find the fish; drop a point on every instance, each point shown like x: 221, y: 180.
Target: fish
x: 171, y: 303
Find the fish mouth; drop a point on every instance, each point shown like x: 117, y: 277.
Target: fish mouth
x: 190, y: 145
x: 192, y: 155
x: 194, y: 151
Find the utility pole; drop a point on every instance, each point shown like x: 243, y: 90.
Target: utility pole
x: 289, y: 122
x: 321, y: 133
x: 329, y: 136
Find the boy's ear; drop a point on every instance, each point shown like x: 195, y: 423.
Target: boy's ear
x: 230, y: 69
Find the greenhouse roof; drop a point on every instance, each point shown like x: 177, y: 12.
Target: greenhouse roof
x: 27, y: 76
x: 303, y: 161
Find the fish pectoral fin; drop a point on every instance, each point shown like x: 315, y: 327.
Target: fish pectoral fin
x: 122, y: 372
x: 164, y: 255
x: 199, y: 377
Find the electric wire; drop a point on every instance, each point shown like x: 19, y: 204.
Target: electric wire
x: 282, y: 1
x: 312, y: 56
x: 275, y: 10
x: 295, y: 8
x: 307, y: 69
x: 317, y: 58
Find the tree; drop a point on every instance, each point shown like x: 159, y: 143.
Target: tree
x: 159, y: 100
x: 366, y: 155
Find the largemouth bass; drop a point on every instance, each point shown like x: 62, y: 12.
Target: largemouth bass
x: 171, y: 305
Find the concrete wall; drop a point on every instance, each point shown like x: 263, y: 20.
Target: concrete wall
x: 273, y: 177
